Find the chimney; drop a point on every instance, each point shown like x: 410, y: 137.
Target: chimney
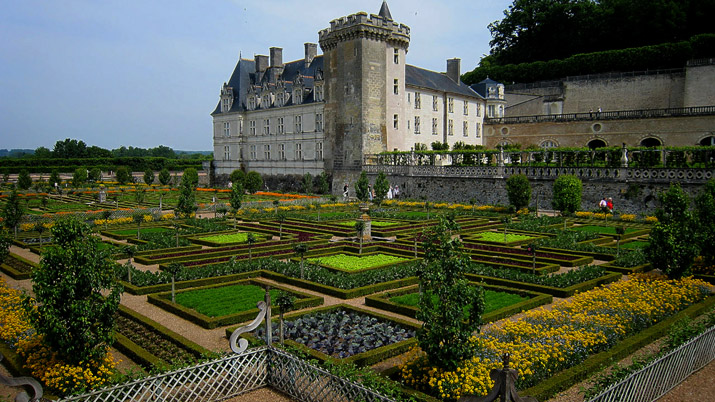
x: 453, y: 67
x: 311, y: 50
x: 276, y: 57
x: 261, y: 63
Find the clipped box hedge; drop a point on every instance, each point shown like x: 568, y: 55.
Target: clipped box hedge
x: 356, y: 271
x: 163, y: 300
x: 627, y: 271
x: 340, y: 293
x: 382, y: 302
x: 143, y: 290
x: 367, y: 358
x: 554, y: 291
x: 17, y: 274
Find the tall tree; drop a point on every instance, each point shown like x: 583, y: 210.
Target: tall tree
x: 79, y: 177
x: 24, y: 181
x: 518, y: 191
x: 566, y: 192
x: 307, y: 184
x: 77, y: 294
x: 671, y: 248
x: 148, y: 177
x: 444, y: 297
x: 164, y: 177
x: 187, y: 198
x: 382, y: 186
x: 236, y: 199
x: 12, y: 212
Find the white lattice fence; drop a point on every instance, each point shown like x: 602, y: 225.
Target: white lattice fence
x: 659, y: 377
x: 307, y: 382
x: 212, y: 381
x: 236, y: 374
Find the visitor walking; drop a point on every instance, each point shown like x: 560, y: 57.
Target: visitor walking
x: 603, y: 205
x: 389, y: 193
x: 345, y: 191
x: 396, y: 193
x: 609, y: 204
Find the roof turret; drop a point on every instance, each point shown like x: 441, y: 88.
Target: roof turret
x: 385, y: 11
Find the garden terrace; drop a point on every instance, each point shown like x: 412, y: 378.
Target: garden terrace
x: 17, y: 267
x: 565, y: 258
x: 352, y: 263
x: 496, y: 306
x: 226, y: 303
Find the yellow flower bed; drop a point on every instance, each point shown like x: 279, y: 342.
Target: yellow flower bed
x: 583, y: 214
x: 546, y: 341
x: 57, y: 376
x: 628, y: 217
x: 115, y: 221
x: 600, y: 215
x: 167, y: 217
x: 148, y: 218
x: 651, y: 219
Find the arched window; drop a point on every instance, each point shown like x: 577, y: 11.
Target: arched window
x: 593, y: 144
x: 549, y: 144
x: 651, y: 142
x: 708, y: 141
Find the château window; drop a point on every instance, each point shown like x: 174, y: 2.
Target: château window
x: 227, y: 129
x: 253, y: 152
x: 280, y: 126
x: 251, y: 103
x: 435, y: 104
x: 267, y: 152
x: 252, y: 127
x: 418, y: 101
x: 266, y: 101
x: 298, y: 124
x: 434, y: 126
x: 397, y: 56
x: 465, y: 129
x: 297, y: 96
x: 450, y: 105
x: 479, y: 110
x: 395, y: 121
x: 417, y: 124
x: 318, y: 122
x: 319, y: 151
x: 282, y: 152
x: 318, y: 93
x: 266, y: 127
x: 450, y: 127
x: 479, y: 130
x: 226, y: 105
x: 226, y: 153
x: 299, y: 152
x: 395, y: 86
x: 466, y: 108
x: 280, y: 99
x: 491, y: 111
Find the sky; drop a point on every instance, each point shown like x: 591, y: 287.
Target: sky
x: 144, y: 73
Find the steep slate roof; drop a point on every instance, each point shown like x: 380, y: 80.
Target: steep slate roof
x: 419, y: 77
x: 385, y: 11
x: 244, y: 76
x: 481, y: 86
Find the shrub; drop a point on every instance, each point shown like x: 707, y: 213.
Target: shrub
x: 24, y: 181
x: 164, y: 177
x: 123, y: 176
x: 567, y: 194
x: 237, y: 176
x: 518, y: 190
x: 253, y: 182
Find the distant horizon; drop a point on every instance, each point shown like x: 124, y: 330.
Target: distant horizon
x: 130, y: 73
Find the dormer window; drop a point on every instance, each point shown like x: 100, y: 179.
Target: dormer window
x: 266, y: 101
x: 297, y: 96
x: 251, y: 102
x: 319, y: 93
x: 225, y: 104
x: 280, y: 99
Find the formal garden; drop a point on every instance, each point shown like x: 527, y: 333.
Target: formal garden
x: 415, y: 299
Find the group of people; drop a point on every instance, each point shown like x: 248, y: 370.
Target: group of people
x: 606, y: 205
x: 392, y: 192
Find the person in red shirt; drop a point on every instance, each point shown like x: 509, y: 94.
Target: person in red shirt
x: 609, y: 204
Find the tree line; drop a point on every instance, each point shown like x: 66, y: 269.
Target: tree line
x: 78, y: 149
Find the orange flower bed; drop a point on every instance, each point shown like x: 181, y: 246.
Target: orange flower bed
x: 291, y: 196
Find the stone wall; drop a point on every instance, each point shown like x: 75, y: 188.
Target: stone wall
x: 630, y: 194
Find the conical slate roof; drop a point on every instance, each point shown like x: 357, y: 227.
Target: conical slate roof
x: 385, y: 11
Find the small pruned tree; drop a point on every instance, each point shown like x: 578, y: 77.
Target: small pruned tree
x: 95, y: 175
x: 281, y: 218
x: 164, y: 177
x: 174, y: 269
x: 237, y: 176
x: 123, y: 175
x: 567, y: 194
x: 79, y: 177
x: 187, y: 199
x: 138, y: 218
x: 323, y: 183
x: 301, y: 249
x: 362, y: 187
x: 55, y: 179
x: 705, y: 210
x: 149, y: 177
x: 671, y: 248
x: 12, y: 212
x: 76, y: 294
x: 24, y: 181
x: 360, y: 228
x: 235, y: 199
x: 285, y: 302
x: 518, y: 191
x: 444, y: 297
x: 250, y: 239
x: 307, y: 184
x: 129, y: 251
x: 253, y: 182
x: 382, y: 186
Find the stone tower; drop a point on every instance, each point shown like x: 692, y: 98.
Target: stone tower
x: 364, y: 71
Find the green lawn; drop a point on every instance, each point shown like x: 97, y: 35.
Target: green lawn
x: 635, y: 244
x: 499, y: 237
x: 354, y: 262
x: 129, y: 232
x: 377, y: 224
x: 493, y: 300
x: 240, y: 237
x: 225, y: 300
